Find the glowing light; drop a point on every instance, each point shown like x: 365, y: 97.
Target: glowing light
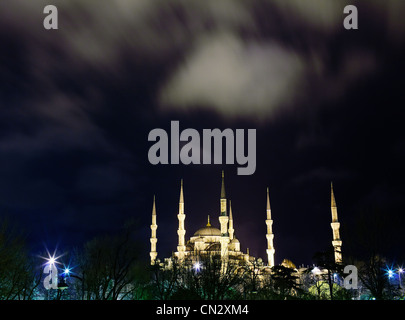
x: 390, y: 271
x: 316, y: 270
x: 51, y: 259
x: 197, y: 266
x: 68, y: 270
x: 400, y: 270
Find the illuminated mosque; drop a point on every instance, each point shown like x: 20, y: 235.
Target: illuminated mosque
x: 223, y: 242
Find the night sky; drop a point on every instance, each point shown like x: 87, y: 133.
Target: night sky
x: 77, y: 105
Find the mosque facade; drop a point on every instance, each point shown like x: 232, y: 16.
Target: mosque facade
x: 223, y: 242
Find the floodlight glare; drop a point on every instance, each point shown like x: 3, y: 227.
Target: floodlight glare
x: 197, y: 266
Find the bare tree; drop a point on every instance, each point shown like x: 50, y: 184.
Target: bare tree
x: 374, y: 278
x: 108, y: 267
x: 326, y: 261
x: 218, y: 279
x: 165, y: 278
x: 370, y: 242
x: 18, y: 277
x: 206, y: 276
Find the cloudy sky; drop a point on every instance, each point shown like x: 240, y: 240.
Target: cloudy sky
x: 77, y: 104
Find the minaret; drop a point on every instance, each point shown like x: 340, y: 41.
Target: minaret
x: 223, y: 220
x: 269, y: 236
x: 337, y: 243
x: 231, y: 230
x: 153, y: 239
x: 223, y: 196
x: 223, y: 217
x: 181, y: 248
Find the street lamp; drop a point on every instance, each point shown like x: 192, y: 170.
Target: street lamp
x: 66, y: 272
x: 197, y: 266
x: 400, y: 271
x: 51, y: 259
x: 62, y: 285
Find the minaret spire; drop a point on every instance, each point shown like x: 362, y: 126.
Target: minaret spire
x: 231, y: 230
x: 332, y: 197
x: 181, y: 193
x: 268, y: 209
x: 223, y: 200
x: 223, y: 194
x: 181, y: 231
x: 223, y: 197
x: 153, y: 239
x: 336, y: 242
x: 223, y: 220
x: 269, y: 236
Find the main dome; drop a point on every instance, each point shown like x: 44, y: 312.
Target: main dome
x: 207, y: 231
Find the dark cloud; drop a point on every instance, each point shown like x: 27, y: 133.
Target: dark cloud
x: 103, y: 182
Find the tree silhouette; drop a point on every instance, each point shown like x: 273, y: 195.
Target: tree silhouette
x: 285, y: 282
x: 326, y: 261
x: 108, y: 267
x: 368, y: 245
x: 18, y: 277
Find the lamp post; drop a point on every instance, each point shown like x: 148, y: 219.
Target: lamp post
x: 62, y: 285
x: 400, y: 271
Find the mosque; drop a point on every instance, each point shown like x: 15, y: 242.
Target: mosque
x: 223, y: 242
